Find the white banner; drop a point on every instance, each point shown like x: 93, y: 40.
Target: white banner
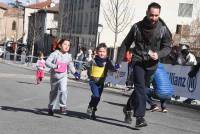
x: 184, y: 86
x: 119, y: 77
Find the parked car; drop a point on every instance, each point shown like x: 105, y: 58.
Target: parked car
x: 11, y: 46
x: 1, y: 51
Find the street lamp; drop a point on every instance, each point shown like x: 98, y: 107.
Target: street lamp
x: 99, y: 30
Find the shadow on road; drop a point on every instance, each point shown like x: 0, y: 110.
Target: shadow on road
x: 24, y: 82
x: 99, y: 119
x: 32, y: 83
x: 111, y: 119
x: 76, y: 114
x: 35, y: 111
x: 116, y: 104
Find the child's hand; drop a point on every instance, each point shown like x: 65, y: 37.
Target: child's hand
x: 77, y: 76
x: 117, y: 67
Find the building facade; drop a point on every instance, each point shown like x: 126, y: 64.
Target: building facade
x: 39, y: 34
x: 33, y: 8
x: 11, y: 23
x: 78, y: 22
x: 177, y: 14
x: 79, y: 19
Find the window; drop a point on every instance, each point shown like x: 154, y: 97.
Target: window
x: 97, y: 3
x: 86, y: 20
x: 185, y: 10
x: 14, y: 25
x: 92, y: 3
x: 82, y: 6
x: 75, y: 4
x: 94, y: 22
x: 79, y: 4
x: 178, y: 29
x: 90, y: 25
x: 81, y: 22
x: 184, y: 30
x: 74, y: 24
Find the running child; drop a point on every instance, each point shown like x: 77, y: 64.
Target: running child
x: 40, y: 68
x: 59, y: 61
x: 97, y: 71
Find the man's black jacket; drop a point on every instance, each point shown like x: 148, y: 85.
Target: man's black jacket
x: 160, y: 42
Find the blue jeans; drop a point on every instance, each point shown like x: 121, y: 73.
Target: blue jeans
x: 149, y: 93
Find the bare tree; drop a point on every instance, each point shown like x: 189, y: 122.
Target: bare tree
x: 194, y: 37
x: 118, y: 16
x: 32, y: 35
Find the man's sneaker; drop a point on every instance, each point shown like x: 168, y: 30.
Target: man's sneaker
x: 128, y: 114
x: 63, y: 110
x: 140, y: 122
x: 93, y: 116
x: 164, y: 110
x: 50, y: 112
x: 154, y: 108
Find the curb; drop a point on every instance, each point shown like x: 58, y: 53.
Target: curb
x: 18, y: 65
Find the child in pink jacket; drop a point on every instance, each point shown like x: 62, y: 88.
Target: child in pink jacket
x: 40, y: 68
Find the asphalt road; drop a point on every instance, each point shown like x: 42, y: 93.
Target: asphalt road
x: 23, y: 110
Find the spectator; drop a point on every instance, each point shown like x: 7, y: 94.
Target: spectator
x: 173, y: 56
x: 187, y: 57
x: 89, y: 58
x: 81, y: 55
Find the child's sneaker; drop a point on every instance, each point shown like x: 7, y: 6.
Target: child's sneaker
x: 50, y: 112
x: 128, y: 115
x: 37, y: 82
x: 63, y: 110
x: 164, y: 110
x: 91, y: 112
x: 154, y: 108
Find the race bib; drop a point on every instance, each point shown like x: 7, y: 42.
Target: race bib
x: 97, y: 71
x: 62, y: 67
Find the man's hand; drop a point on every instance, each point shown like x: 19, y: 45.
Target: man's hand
x: 154, y: 55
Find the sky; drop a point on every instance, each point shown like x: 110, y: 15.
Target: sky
x: 23, y: 1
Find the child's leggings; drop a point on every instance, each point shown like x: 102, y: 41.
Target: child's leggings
x: 97, y: 90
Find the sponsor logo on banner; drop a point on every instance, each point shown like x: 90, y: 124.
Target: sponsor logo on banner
x: 186, y: 82
x: 122, y: 74
x: 191, y: 84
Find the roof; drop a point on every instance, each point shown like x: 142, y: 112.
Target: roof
x: 13, y: 12
x: 54, y: 9
x: 3, y: 6
x: 40, y: 5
